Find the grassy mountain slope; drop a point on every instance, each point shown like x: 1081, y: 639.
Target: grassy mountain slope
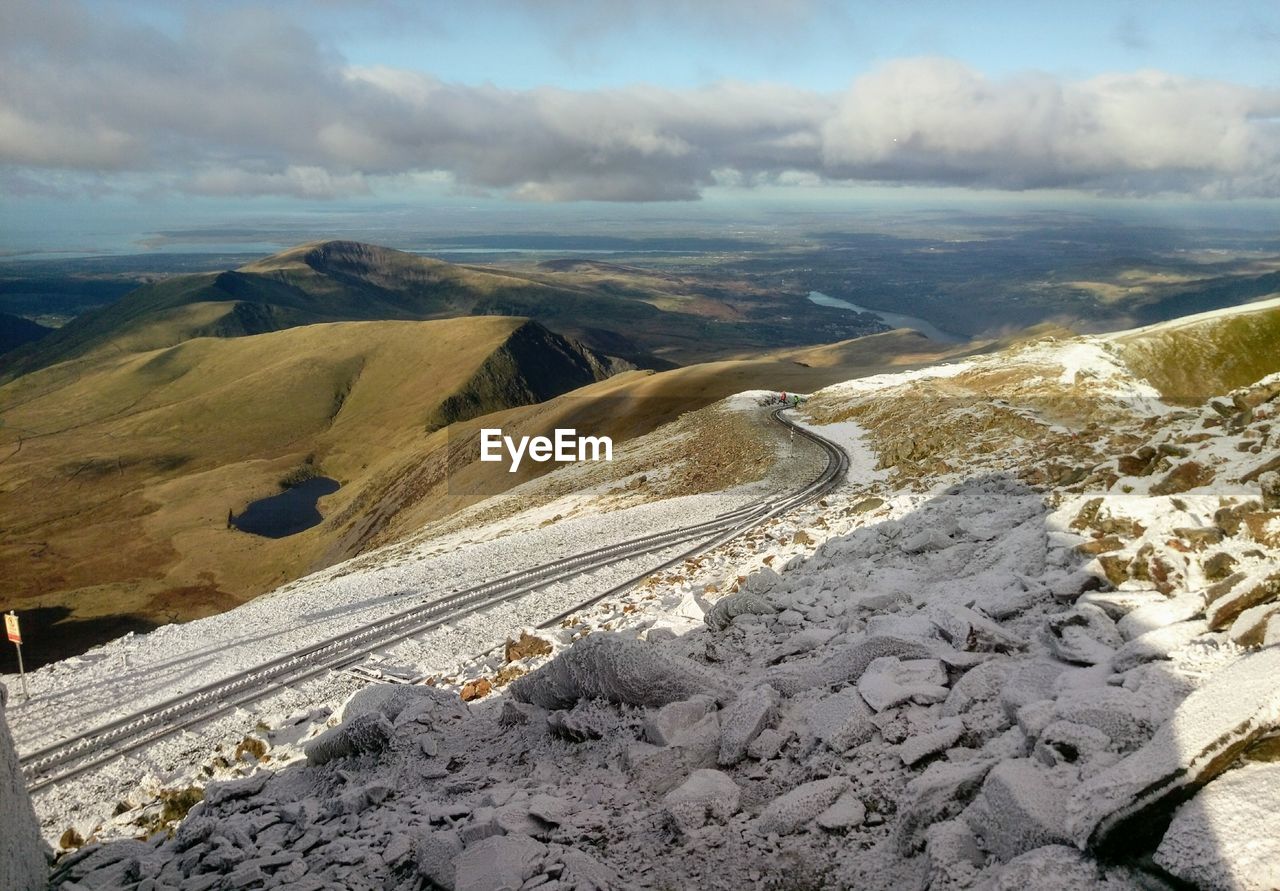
x: 1189, y: 359
x: 115, y: 482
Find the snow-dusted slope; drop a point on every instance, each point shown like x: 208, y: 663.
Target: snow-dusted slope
x: 1043, y: 615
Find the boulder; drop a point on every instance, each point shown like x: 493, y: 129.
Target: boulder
x: 1186, y: 476
x: 498, y: 863
x: 1021, y: 808
x: 847, y: 811
x: 705, y: 795
x: 1228, y: 607
x: 1250, y: 627
x: 1228, y: 835
x: 742, y: 603
x: 672, y: 724
x: 1121, y: 714
x: 434, y: 853
x: 890, y: 681
x: 1133, y: 799
x: 840, y: 720
x: 940, y: 793
x: 1161, y: 643
x: 1157, y: 615
x: 792, y: 811
x: 742, y: 722
x: 367, y: 732
x: 1051, y: 868
x: 661, y: 768
x: 967, y: 629
x: 921, y: 746
x: 1085, y: 635
x: 1029, y: 682
x: 1270, y: 483
x: 620, y: 669
x: 845, y: 664
x: 953, y: 854
x: 978, y: 685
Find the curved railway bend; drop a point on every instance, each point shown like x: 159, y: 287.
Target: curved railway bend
x: 87, y: 751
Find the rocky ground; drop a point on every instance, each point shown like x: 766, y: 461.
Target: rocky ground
x: 1033, y: 644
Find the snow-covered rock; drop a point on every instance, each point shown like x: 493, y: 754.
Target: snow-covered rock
x: 498, y: 863
x: 743, y: 720
x: 1021, y: 808
x: 1228, y: 835
x: 890, y: 681
x: 790, y: 812
x: 619, y: 669
x: 1085, y: 635
x: 1237, y: 705
x: 706, y: 795
x: 740, y: 603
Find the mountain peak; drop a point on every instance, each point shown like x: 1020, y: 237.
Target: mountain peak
x: 335, y: 253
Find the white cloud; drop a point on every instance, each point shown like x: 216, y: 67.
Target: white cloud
x: 244, y: 102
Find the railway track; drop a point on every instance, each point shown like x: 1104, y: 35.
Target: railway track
x: 87, y: 751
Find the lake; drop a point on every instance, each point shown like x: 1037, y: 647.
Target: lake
x: 892, y: 319
x: 288, y: 513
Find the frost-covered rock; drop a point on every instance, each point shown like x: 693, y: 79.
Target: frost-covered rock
x: 434, y: 853
x: 673, y: 724
x: 845, y: 664
x: 1021, y: 808
x: 1159, y: 643
x: 1122, y: 714
x: 367, y: 732
x: 1029, y: 682
x: 619, y: 669
x: 743, y: 720
x: 1228, y: 836
x: 1085, y: 635
x: 953, y: 853
x: 890, y: 681
x: 841, y: 720
x: 498, y: 863
x: 847, y: 811
x: 967, y: 629
x: 920, y: 746
x: 659, y: 768
x: 790, y: 812
x: 706, y: 795
x: 940, y: 793
x: 218, y: 793
x: 978, y: 685
x: 23, y: 866
x: 741, y: 603
x: 1052, y: 868
x: 1167, y: 611
x: 1066, y: 742
x: 1235, y: 706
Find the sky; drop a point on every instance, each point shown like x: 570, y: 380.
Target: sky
x: 139, y: 115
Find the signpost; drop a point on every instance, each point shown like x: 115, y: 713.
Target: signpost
x: 14, y: 632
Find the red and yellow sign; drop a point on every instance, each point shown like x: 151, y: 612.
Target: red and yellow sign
x: 11, y: 628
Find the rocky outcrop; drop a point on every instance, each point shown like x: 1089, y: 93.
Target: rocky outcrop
x: 23, y: 866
